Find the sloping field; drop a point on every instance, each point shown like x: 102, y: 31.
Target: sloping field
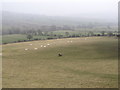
x: 86, y: 63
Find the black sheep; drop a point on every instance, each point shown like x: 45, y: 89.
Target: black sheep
x: 59, y: 54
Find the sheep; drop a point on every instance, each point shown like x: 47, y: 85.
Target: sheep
x: 60, y: 55
x: 35, y: 48
x: 26, y: 49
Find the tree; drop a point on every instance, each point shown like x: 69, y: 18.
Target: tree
x: 51, y: 33
x: 39, y: 32
x: 60, y: 36
x: 29, y: 36
x: 91, y: 33
x: 110, y: 33
x: 103, y: 33
x: 118, y: 36
x: 46, y: 33
x: 67, y: 34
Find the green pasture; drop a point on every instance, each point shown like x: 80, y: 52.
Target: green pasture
x: 90, y: 62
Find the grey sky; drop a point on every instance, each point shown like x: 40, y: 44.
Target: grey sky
x: 90, y: 8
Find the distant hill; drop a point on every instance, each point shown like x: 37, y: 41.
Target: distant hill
x: 11, y: 21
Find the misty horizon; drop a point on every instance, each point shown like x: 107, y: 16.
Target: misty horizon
x: 95, y: 9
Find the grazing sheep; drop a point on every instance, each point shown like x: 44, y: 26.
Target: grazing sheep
x: 60, y: 55
x: 41, y: 45
x: 35, y: 48
x: 26, y: 49
x: 44, y: 46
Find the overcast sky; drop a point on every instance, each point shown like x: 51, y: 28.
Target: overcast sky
x: 90, y: 8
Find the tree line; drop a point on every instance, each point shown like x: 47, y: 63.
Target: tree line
x: 37, y: 30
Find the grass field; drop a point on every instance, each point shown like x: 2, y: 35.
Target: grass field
x: 21, y: 37
x: 86, y: 63
x: 12, y: 38
x: 16, y: 37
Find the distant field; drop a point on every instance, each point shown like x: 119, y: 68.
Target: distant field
x: 16, y: 37
x: 90, y: 62
x: 12, y: 38
x: 20, y: 37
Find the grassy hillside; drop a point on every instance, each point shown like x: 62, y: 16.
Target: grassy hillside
x: 86, y: 63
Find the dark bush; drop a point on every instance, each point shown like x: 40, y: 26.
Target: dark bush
x: 25, y: 40
x: 36, y: 39
x: 5, y: 43
x: 19, y: 41
x: 98, y: 35
x: 15, y: 42
x: 50, y: 38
